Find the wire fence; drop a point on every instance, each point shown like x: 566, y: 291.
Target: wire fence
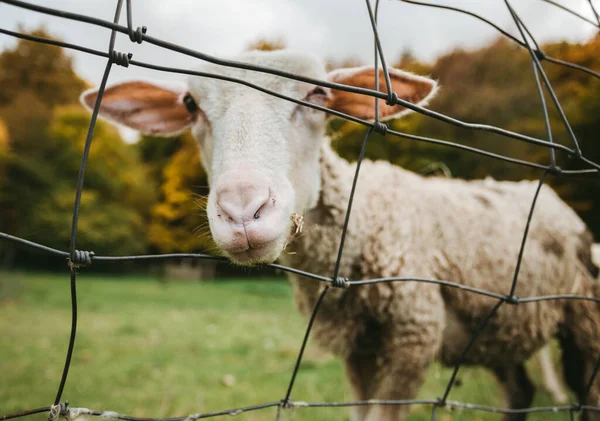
x: 78, y: 259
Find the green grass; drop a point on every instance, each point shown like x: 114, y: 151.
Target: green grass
x: 151, y: 349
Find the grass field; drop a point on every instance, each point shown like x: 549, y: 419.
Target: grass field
x: 146, y: 348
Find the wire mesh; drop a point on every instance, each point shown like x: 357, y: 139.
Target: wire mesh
x: 78, y: 258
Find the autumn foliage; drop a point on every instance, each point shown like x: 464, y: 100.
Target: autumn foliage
x: 149, y: 196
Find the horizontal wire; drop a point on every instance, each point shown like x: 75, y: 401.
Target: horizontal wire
x: 572, y: 65
x: 202, y: 256
x: 191, y: 417
x: 276, y: 72
x: 428, y: 281
x: 449, y: 404
x: 298, y: 404
x: 539, y: 142
x: 33, y: 245
x: 574, y: 13
x: 506, y: 34
x: 593, y: 170
x: 54, y: 42
x: 25, y: 413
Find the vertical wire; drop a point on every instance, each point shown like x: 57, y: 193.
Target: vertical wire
x: 537, y: 63
x: 78, y: 193
x: 525, y: 234
x: 386, y: 74
x: 595, y: 12
x: 304, y: 342
x: 484, y: 323
x: 376, y: 61
x: 462, y: 357
x: 590, y: 383
x: 536, y: 72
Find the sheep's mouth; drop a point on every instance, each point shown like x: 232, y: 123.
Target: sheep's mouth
x: 262, y: 247
x: 250, y: 256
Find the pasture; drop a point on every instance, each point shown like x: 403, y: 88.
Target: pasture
x: 152, y: 349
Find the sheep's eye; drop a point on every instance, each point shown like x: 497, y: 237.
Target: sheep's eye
x: 318, y: 96
x: 318, y: 91
x: 190, y: 104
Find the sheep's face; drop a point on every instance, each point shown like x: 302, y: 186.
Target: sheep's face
x: 261, y: 153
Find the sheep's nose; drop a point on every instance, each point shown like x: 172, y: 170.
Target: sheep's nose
x: 241, y: 202
x: 249, y: 215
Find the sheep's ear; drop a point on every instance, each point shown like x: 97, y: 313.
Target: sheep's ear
x: 415, y: 89
x: 145, y: 106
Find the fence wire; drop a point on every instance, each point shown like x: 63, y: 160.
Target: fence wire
x: 78, y: 258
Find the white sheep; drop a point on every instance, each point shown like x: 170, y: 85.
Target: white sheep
x: 268, y: 159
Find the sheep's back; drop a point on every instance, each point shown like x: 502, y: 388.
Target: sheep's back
x: 470, y: 233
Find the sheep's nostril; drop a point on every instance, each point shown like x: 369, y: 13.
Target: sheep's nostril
x: 242, y: 204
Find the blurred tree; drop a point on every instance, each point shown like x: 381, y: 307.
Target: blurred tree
x: 149, y: 195
x: 179, y: 220
x: 47, y: 137
x: 4, y: 145
x: 45, y: 70
x: 3, y: 138
x: 495, y: 85
x: 408, y: 62
x: 39, y: 189
x: 34, y: 78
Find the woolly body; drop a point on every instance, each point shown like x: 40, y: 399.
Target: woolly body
x: 404, y: 225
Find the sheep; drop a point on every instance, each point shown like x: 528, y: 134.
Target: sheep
x: 269, y: 160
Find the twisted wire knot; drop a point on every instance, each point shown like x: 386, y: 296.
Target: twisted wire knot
x: 60, y: 409
x: 539, y: 54
x: 512, y: 299
x: 138, y: 34
x: 82, y: 258
x: 555, y: 170
x: 54, y: 412
x: 121, y: 59
x: 392, y: 99
x: 339, y: 282
x: 381, y: 128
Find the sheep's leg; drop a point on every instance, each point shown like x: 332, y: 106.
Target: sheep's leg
x: 360, y: 370
x: 518, y: 389
x: 400, y: 369
x: 551, y: 381
x: 397, y: 383
x: 577, y: 370
x: 581, y: 349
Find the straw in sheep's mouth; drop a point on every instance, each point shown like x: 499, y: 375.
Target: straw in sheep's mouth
x: 296, y: 230
x: 298, y: 221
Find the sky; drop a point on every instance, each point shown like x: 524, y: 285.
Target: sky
x: 335, y: 29
x: 332, y: 28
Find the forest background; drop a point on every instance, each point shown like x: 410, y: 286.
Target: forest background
x: 147, y: 196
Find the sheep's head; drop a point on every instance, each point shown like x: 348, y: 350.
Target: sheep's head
x: 261, y: 153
